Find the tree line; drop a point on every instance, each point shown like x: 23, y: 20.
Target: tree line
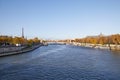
x: 9, y: 40
x: 101, y: 39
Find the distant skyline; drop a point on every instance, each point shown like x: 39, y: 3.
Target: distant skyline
x: 59, y: 19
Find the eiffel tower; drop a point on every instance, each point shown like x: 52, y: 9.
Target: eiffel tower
x: 22, y: 32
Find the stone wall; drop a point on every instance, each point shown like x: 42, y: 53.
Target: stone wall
x: 10, y: 49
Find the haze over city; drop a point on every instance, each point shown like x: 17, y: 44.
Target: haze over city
x: 59, y: 19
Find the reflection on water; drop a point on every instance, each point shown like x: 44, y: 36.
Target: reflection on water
x: 62, y: 62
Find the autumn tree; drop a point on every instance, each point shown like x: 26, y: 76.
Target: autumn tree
x: 115, y: 39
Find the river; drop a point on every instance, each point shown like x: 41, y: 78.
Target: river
x: 62, y: 62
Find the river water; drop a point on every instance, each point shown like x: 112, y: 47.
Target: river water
x: 61, y: 62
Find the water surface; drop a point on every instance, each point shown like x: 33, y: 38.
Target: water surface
x: 61, y: 62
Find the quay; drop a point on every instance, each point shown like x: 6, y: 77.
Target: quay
x: 20, y: 50
x: 98, y: 46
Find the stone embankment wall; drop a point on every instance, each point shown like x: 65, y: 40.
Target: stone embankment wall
x: 18, y: 50
x: 11, y: 49
x: 99, y: 46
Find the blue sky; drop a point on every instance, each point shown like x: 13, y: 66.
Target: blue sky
x: 59, y: 19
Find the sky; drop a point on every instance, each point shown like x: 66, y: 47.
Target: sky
x: 59, y: 19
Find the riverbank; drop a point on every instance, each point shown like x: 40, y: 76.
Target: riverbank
x: 20, y: 50
x: 98, y: 46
